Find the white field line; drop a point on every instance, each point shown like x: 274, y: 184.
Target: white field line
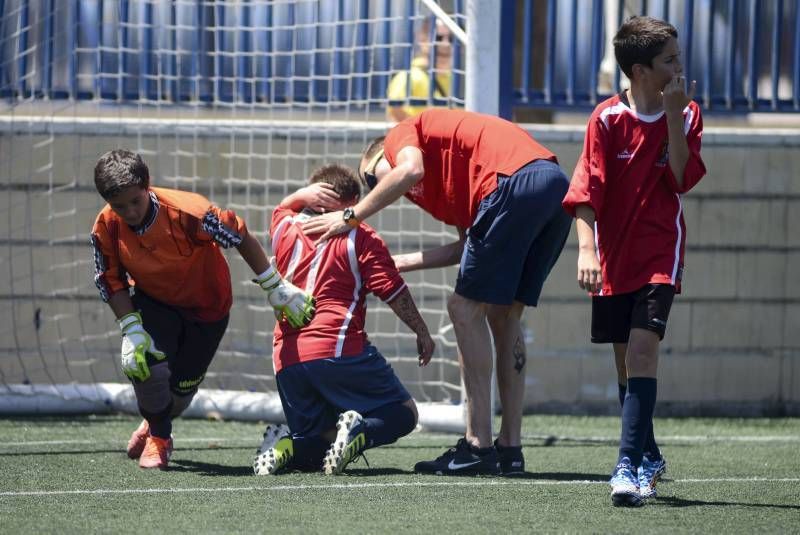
x: 360, y: 486
x: 431, y: 437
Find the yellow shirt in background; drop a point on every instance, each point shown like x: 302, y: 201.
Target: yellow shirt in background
x: 420, y: 85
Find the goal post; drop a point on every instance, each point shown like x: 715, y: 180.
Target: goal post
x: 269, y: 95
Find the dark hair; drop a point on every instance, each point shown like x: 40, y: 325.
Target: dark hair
x: 639, y: 40
x: 342, y: 178
x: 372, y: 149
x: 119, y: 169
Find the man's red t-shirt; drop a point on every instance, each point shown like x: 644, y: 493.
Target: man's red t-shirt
x: 463, y: 152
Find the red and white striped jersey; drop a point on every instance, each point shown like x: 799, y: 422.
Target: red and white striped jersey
x: 339, y: 272
x: 623, y: 173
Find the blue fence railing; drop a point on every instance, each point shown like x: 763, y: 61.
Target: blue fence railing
x: 744, y: 54
x: 207, y: 51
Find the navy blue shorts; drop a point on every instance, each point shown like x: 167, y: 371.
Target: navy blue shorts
x: 516, y: 237
x: 314, y: 393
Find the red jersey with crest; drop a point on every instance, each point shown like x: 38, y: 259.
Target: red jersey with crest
x: 463, y: 152
x: 173, y: 256
x: 623, y: 173
x: 339, y: 273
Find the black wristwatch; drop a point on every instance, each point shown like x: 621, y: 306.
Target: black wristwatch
x: 349, y: 217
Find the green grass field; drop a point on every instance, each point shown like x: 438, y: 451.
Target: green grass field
x: 71, y: 475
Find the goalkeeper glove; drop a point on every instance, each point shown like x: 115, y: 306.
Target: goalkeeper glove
x: 136, y: 343
x: 289, y: 301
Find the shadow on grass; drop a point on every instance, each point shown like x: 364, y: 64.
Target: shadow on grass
x: 94, y: 451
x: 561, y: 476
x: 31, y: 453
x: 673, y: 501
x: 209, y: 469
x: 367, y: 472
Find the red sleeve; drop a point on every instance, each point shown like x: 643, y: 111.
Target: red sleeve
x: 589, y: 179
x: 405, y: 134
x: 378, y: 271
x: 695, y: 168
x: 109, y: 274
x: 279, y: 214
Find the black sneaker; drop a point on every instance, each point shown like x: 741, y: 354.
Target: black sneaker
x: 462, y: 459
x: 512, y: 462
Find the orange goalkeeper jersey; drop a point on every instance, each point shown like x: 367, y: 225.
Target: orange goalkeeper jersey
x: 174, y: 256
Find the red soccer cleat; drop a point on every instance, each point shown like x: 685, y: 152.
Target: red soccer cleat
x: 156, y: 453
x: 138, y: 439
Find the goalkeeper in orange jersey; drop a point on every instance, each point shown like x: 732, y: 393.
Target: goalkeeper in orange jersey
x: 159, y: 266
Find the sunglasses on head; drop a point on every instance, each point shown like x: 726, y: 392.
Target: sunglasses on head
x: 368, y: 176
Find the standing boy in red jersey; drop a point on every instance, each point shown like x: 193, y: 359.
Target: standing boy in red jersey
x: 642, y: 151
x: 168, y: 242
x: 503, y: 192
x: 328, y: 374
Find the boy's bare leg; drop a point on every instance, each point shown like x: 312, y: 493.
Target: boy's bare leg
x: 475, y: 353
x: 641, y: 359
x: 504, y: 321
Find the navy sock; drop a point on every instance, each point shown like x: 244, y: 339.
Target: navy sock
x: 386, y: 424
x: 637, y: 417
x: 308, y: 453
x: 650, y: 446
x: 160, y: 422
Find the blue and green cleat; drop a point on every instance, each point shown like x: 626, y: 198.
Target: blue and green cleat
x: 276, y: 451
x: 350, y: 442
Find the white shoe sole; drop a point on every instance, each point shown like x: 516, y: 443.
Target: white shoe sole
x: 266, y: 462
x: 334, y: 458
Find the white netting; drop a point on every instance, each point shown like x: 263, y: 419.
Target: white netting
x: 236, y: 100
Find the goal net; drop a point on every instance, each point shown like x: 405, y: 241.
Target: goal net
x: 236, y: 100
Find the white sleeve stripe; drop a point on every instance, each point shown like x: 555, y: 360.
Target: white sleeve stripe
x: 597, y: 249
x: 294, y: 260
x: 388, y: 299
x: 276, y: 236
x: 687, y: 120
x: 616, y: 109
x: 678, y: 241
x: 351, y: 254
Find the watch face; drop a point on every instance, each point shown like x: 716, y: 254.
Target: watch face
x: 347, y: 215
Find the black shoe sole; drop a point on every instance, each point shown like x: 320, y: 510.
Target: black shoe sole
x: 458, y: 473
x: 626, y: 500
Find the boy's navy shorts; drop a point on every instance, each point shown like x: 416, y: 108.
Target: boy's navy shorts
x: 189, y: 345
x: 613, y: 316
x: 516, y: 237
x: 314, y: 393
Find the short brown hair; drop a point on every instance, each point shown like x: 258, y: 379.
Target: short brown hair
x: 344, y: 181
x: 639, y: 40
x: 119, y: 169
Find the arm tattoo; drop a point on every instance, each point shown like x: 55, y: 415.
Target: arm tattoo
x: 403, y: 305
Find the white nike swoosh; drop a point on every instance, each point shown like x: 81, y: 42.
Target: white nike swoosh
x: 458, y: 466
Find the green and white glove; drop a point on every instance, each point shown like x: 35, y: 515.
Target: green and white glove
x: 135, y: 344
x: 290, y: 302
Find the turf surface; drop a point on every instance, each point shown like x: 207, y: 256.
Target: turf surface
x: 71, y: 475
